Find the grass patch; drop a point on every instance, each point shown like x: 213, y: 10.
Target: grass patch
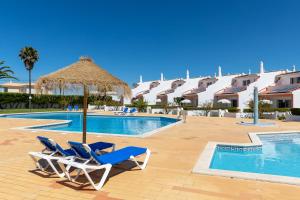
x: 6, y: 111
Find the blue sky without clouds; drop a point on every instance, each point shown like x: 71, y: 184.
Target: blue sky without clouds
x: 133, y: 37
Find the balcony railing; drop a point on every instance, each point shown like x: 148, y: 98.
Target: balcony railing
x: 282, y: 88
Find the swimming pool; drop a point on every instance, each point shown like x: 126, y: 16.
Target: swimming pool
x: 278, y: 155
x: 117, y: 125
x: 271, y: 156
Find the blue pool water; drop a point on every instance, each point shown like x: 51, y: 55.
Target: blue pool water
x: 279, y: 155
x: 124, y: 125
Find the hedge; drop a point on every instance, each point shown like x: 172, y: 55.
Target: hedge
x: 249, y: 110
x: 233, y: 110
x: 18, y: 100
x: 295, y: 111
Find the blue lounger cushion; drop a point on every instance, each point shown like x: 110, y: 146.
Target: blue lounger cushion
x: 65, y: 152
x: 45, y: 141
x: 78, y: 148
x: 55, y: 148
x: 119, y: 156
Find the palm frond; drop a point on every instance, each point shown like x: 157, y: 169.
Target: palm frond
x: 6, y: 72
x: 29, y: 56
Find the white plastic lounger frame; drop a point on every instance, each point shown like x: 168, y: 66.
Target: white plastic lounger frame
x: 87, y: 167
x: 49, y: 157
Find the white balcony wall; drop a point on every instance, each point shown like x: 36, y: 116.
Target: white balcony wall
x: 265, y: 80
x: 208, y: 94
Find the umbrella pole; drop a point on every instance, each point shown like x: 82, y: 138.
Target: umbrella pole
x: 85, y: 98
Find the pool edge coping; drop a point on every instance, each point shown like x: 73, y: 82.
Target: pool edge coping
x: 202, y: 165
x: 35, y: 128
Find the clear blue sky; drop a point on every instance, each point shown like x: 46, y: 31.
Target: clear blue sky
x: 129, y: 38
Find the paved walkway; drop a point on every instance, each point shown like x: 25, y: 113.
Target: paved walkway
x: 167, y: 176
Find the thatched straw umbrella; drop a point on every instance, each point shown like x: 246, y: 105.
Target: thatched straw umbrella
x: 84, y: 73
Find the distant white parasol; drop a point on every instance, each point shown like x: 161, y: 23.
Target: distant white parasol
x: 224, y: 101
x: 266, y: 101
x: 186, y: 101
x: 158, y: 100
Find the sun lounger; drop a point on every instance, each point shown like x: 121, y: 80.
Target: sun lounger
x: 54, y: 152
x: 122, y: 112
x: 70, y: 108
x: 105, y: 161
x: 132, y: 111
x: 76, y: 108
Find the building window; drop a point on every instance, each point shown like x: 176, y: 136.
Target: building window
x: 246, y: 82
x: 234, y: 103
x: 295, y: 80
x: 284, y: 103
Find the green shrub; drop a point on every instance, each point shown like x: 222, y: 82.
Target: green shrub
x: 17, y: 100
x: 162, y: 107
x: 233, y: 110
x: 295, y: 111
x: 250, y: 110
x: 140, y: 104
x: 281, y: 117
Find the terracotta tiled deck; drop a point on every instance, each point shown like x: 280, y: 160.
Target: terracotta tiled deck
x: 168, y: 175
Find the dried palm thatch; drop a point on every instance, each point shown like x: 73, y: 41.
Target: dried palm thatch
x: 84, y: 73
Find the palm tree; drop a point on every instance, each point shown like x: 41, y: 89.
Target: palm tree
x: 6, y: 72
x: 29, y: 56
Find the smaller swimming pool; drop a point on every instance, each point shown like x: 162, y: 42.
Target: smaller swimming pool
x: 278, y: 155
x: 99, y: 124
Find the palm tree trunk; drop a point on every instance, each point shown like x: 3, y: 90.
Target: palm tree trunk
x: 30, y: 90
x: 85, y: 99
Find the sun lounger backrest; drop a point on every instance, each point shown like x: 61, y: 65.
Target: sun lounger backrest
x: 50, y: 145
x: 70, y: 108
x: 125, y: 109
x: 133, y: 110
x: 80, y: 149
x: 62, y: 151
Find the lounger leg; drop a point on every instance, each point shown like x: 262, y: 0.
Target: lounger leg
x: 78, y: 173
x: 98, y: 186
x: 36, y: 162
x: 49, y: 164
x: 54, y: 169
x: 143, y: 166
x: 65, y: 171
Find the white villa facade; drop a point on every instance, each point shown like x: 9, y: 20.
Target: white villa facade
x: 13, y: 87
x: 285, y: 92
x: 206, y: 88
x: 241, y: 90
x: 178, y: 88
x: 236, y: 89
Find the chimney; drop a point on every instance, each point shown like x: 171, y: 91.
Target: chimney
x: 161, y: 77
x: 219, y: 71
x: 261, y: 70
x: 141, y: 79
x: 187, y: 74
x: 294, y: 68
